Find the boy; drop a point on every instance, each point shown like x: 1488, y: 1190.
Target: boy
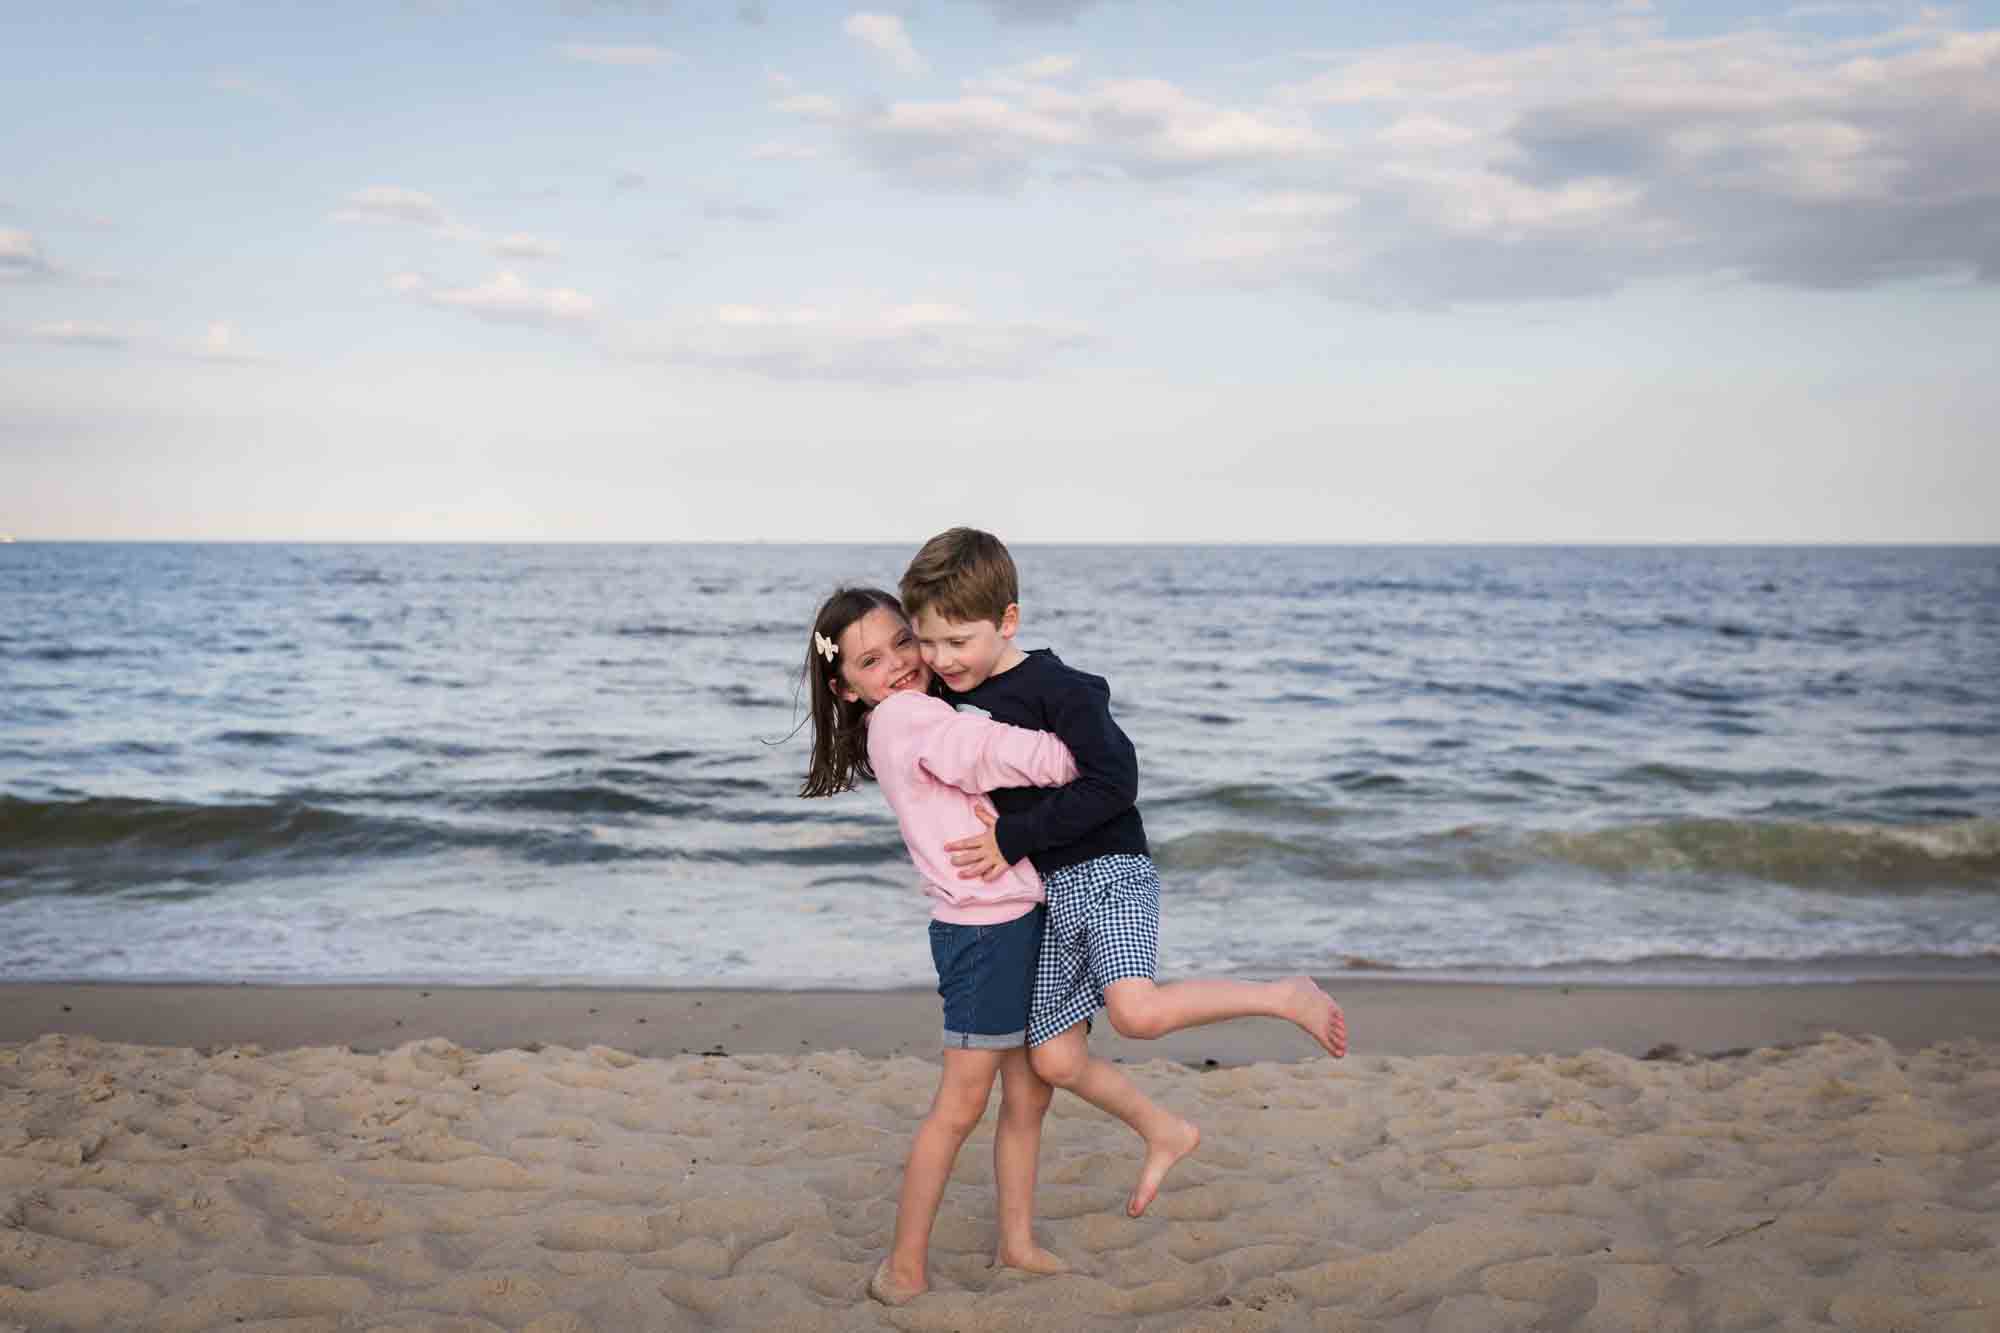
x: 1100, y: 948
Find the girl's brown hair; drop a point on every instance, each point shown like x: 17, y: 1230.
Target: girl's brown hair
x: 839, y: 728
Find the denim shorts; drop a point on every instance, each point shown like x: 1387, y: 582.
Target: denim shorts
x: 985, y: 974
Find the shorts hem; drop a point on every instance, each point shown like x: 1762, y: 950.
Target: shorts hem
x: 984, y: 1041
x: 1046, y: 1037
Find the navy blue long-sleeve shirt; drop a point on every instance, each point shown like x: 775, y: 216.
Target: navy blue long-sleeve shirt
x: 1094, y: 816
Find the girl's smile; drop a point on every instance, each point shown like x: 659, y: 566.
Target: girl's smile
x: 878, y: 657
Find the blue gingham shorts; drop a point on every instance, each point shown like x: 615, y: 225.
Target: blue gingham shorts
x: 1103, y: 926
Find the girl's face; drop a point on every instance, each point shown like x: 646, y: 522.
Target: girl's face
x: 878, y: 657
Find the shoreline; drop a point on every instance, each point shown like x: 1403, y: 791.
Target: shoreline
x: 1386, y: 1016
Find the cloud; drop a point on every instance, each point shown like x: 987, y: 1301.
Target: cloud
x: 520, y: 245
x: 22, y: 260
x: 1601, y: 150
x: 252, y: 87
x: 503, y: 299
x: 1604, y: 156
x: 903, y: 344
x: 755, y: 214
x: 644, y: 8
x: 624, y: 57
x: 392, y: 204
x: 812, y: 106
x: 1036, y: 11
x: 784, y: 150
x: 221, y: 344
x: 1046, y: 67
x: 628, y: 180
x: 77, y: 333
x: 885, y: 32
x: 996, y: 137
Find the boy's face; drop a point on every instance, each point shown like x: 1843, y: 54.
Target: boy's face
x: 964, y: 653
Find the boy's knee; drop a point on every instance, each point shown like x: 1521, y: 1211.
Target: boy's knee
x: 1059, y: 1063
x: 1132, y: 1016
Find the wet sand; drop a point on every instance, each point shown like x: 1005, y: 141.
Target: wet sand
x: 1387, y: 1016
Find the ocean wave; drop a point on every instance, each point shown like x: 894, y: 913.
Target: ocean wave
x: 69, y: 652
x: 580, y: 792
x: 657, y: 632
x: 585, y: 799
x: 1710, y: 853
x: 664, y: 757
x: 1263, y: 801
x: 1698, y: 778
x: 107, y: 844
x: 868, y: 851
x: 1960, y: 854
x: 252, y: 736
x: 1247, y: 850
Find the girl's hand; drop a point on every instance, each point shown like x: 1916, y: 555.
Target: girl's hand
x: 978, y: 857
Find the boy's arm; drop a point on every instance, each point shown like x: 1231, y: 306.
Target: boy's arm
x: 1107, y: 781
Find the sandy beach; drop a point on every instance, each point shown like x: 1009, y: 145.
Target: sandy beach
x: 305, y: 1158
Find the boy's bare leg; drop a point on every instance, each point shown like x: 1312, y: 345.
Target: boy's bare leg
x: 1146, y: 1009
x: 1066, y: 1062
x: 963, y: 1090
x: 1017, y: 1149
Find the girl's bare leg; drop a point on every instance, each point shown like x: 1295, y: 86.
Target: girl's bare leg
x: 1017, y: 1149
x: 1147, y: 1009
x: 963, y: 1090
x: 1066, y: 1062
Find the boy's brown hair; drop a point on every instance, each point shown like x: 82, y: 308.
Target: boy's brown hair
x: 961, y: 574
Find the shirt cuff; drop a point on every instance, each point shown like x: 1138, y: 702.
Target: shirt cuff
x: 1007, y: 834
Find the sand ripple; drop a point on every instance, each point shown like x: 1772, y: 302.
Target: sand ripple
x: 1836, y: 1185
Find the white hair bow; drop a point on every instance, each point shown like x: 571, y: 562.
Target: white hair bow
x: 824, y: 646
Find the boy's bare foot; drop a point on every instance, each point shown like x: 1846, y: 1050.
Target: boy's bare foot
x: 1315, y: 1011
x: 1034, y: 1259
x: 887, y: 1288
x: 1161, y: 1154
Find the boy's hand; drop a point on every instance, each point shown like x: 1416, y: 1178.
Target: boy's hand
x: 978, y: 857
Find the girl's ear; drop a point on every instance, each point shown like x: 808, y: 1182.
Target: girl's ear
x: 840, y: 689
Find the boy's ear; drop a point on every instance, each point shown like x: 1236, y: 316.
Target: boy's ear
x: 1010, y: 620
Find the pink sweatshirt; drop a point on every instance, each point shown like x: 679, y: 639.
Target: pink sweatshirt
x: 931, y: 761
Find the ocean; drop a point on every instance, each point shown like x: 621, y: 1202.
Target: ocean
x: 576, y: 764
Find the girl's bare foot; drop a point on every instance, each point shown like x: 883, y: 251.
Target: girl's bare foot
x: 1315, y: 1011
x: 1034, y: 1259
x: 887, y: 1288
x: 1161, y: 1154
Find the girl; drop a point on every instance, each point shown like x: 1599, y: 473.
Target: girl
x: 872, y: 716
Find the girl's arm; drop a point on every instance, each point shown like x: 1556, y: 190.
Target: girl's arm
x: 977, y: 754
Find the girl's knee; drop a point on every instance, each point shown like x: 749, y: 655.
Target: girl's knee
x: 959, y: 1115
x: 964, y: 1090
x: 1027, y: 1095
x: 1026, y: 1103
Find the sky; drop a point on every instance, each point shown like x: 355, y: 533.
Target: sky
x: 1071, y: 270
